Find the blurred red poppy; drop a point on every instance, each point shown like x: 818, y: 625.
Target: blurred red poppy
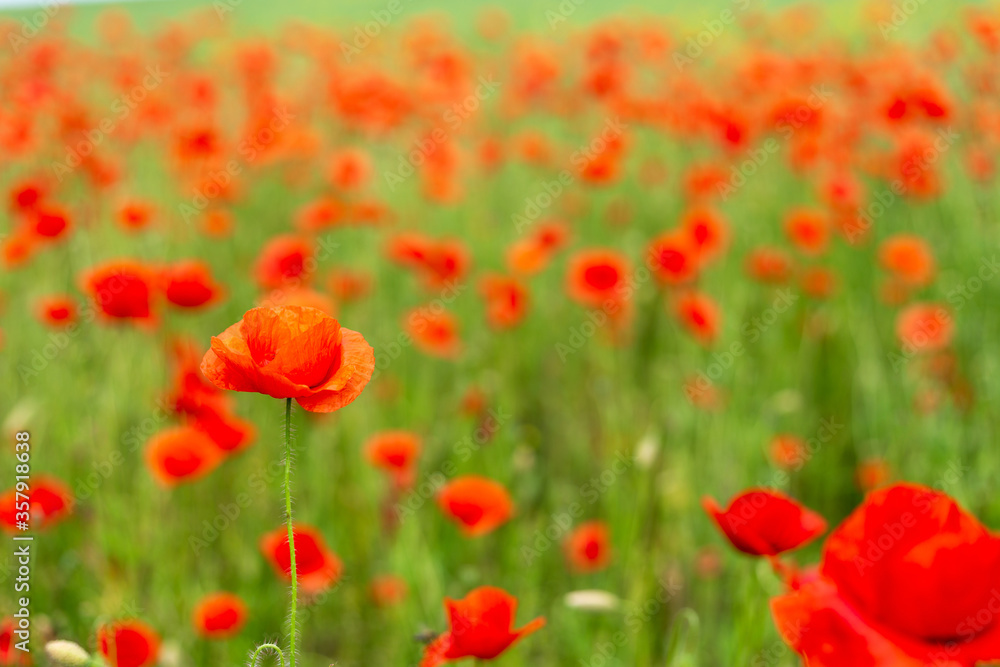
x: 219, y: 615
x: 49, y: 502
x: 434, y: 333
x: 283, y: 261
x: 181, y: 454
x: 317, y: 566
x: 597, y: 276
x: 477, y: 504
x: 699, y: 315
x: 396, y: 453
x: 909, y: 258
x: 924, y: 327
x: 57, y: 310
x: 129, y: 643
x: 588, y: 547
x: 189, y: 284
x: 506, y: 300
x: 121, y: 290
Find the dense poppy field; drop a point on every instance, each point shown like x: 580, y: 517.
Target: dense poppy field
x: 607, y: 342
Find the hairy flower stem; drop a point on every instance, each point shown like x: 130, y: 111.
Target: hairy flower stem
x: 291, y: 537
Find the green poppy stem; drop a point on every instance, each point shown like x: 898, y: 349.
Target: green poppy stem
x: 291, y: 537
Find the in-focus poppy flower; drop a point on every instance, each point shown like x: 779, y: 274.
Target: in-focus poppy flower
x: 909, y: 579
x: 481, y: 626
x: 925, y: 327
x: 588, y: 547
x: 434, y: 333
x: 317, y: 566
x: 135, y: 215
x: 506, y: 300
x: 808, y: 230
x: 769, y: 265
x: 477, y: 504
x: 788, y: 451
x: 761, y: 522
x: 396, y: 453
x: 909, y: 258
x: 597, y: 276
x: 219, y: 615
x: 189, y: 284
x: 283, y: 261
x: 57, y: 310
x: 121, y: 289
x: 10, y: 655
x: 388, y: 590
x: 129, y: 643
x: 699, y: 315
x: 673, y: 258
x: 49, y: 502
x: 707, y: 231
x: 181, y: 454
x: 291, y: 352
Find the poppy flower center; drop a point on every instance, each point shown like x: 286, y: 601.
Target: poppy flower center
x: 602, y: 277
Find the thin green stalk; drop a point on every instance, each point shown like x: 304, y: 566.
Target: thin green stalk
x: 291, y: 536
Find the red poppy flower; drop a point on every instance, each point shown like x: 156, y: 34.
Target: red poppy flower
x: 506, y: 300
x: 818, y: 282
x: 9, y: 654
x: 909, y: 258
x: 291, y: 352
x: 707, y: 230
x: 908, y: 579
x: 808, y: 230
x: 189, y: 284
x: 761, y: 522
x: 27, y: 195
x: 135, y: 215
x: 388, y: 590
x: 434, y: 333
x: 674, y: 258
x: 217, y: 223
x: 588, y: 547
x: 57, y: 311
x: 350, y: 169
x: 49, y: 502
x: 282, y: 261
x: 395, y: 452
x: 317, y: 566
x: 121, y: 289
x: 481, y: 626
x: 181, y: 454
x: 219, y: 615
x: 50, y: 222
x: 788, y: 452
x: 18, y: 248
x: 322, y: 213
x: 477, y: 504
x: 348, y: 285
x: 769, y: 265
x: 129, y: 643
x: 597, y: 276
x: 227, y: 431
x: 699, y: 315
x: 925, y: 327
x: 871, y: 474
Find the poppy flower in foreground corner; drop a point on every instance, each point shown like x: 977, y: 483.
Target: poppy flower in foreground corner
x: 480, y: 627
x: 910, y: 579
x: 761, y: 522
x: 291, y: 352
x: 219, y: 615
x: 128, y: 644
x: 316, y: 565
